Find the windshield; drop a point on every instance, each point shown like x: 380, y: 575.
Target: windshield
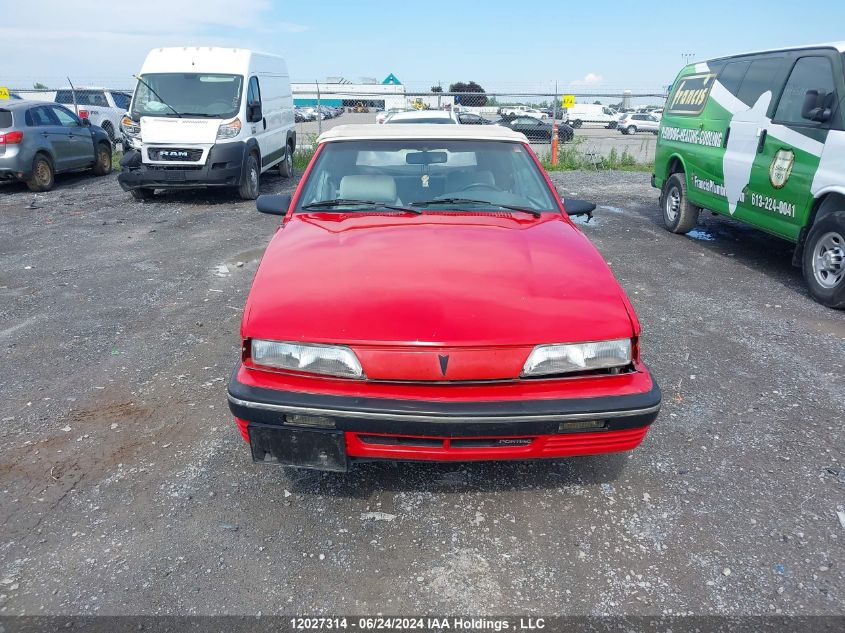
x: 189, y: 94
x: 419, y: 172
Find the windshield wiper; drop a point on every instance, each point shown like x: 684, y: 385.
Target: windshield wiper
x: 158, y: 96
x: 509, y: 207
x: 347, y: 202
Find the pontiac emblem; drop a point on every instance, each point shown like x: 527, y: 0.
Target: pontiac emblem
x: 444, y: 362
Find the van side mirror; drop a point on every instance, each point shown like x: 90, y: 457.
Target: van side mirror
x: 273, y: 204
x: 813, y: 108
x: 253, y: 112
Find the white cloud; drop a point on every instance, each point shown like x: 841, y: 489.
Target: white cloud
x: 590, y: 79
x: 108, y: 40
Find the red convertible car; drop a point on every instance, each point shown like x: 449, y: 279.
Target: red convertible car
x: 427, y: 297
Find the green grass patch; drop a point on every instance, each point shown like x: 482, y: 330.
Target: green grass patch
x: 573, y: 157
x: 302, y: 157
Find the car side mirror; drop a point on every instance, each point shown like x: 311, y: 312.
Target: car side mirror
x: 273, y: 204
x: 579, y: 207
x: 813, y: 107
x: 86, y: 122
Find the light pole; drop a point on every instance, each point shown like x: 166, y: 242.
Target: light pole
x: 687, y: 57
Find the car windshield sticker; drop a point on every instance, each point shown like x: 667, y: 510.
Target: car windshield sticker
x: 691, y: 94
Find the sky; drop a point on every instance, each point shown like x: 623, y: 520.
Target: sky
x: 584, y: 47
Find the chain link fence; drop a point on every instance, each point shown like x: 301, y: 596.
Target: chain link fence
x: 588, y: 129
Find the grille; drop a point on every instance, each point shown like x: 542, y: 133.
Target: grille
x: 174, y: 153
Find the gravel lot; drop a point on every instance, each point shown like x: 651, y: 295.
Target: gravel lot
x: 125, y: 487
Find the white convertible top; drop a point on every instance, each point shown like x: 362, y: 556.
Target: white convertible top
x: 421, y: 131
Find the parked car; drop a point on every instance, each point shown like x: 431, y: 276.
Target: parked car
x: 759, y: 138
x: 470, y: 118
x: 537, y: 130
x: 422, y: 116
x: 592, y: 114
x: 486, y: 325
x: 208, y: 117
x: 631, y: 123
x: 522, y: 111
x: 104, y: 107
x: 559, y: 113
x: 39, y: 140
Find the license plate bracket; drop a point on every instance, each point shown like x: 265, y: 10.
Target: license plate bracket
x: 303, y: 448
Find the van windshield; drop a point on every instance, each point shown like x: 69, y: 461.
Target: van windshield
x: 189, y: 94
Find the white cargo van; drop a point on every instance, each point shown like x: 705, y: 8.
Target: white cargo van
x: 592, y: 114
x: 208, y: 117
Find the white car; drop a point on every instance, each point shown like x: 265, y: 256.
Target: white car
x: 423, y: 116
x: 634, y: 122
x: 523, y: 111
x: 100, y: 106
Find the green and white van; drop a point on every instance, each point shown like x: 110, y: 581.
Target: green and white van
x: 760, y: 138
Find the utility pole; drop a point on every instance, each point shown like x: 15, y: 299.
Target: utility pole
x: 319, y: 112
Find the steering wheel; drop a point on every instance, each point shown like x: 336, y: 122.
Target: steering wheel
x: 479, y: 185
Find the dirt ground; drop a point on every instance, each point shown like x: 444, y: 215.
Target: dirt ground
x: 126, y: 489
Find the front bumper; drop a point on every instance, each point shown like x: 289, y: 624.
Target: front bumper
x: 223, y: 168
x: 280, y: 424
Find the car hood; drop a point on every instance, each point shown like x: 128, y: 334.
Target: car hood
x: 442, y: 279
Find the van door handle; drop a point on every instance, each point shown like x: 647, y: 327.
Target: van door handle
x: 762, y: 144
x: 45, y: 134
x: 264, y: 122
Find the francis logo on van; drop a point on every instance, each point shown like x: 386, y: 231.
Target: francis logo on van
x: 691, y: 94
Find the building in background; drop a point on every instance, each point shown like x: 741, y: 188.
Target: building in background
x: 340, y: 92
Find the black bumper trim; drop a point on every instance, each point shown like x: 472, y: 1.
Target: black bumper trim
x: 222, y: 168
x: 414, y: 417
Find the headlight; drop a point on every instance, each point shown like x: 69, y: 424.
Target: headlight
x: 130, y: 127
x: 567, y: 358
x: 331, y: 360
x: 229, y: 130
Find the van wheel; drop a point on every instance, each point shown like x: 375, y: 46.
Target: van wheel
x: 286, y: 166
x: 679, y: 215
x: 143, y: 194
x: 248, y: 188
x: 824, y: 260
x: 103, y: 165
x: 576, y: 123
x: 43, y: 177
x: 632, y: 129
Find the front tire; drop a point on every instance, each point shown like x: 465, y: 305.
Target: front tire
x: 576, y: 123
x: 632, y: 129
x: 823, y: 261
x: 679, y: 214
x: 43, y: 176
x: 248, y: 189
x: 108, y: 128
x: 103, y: 164
x: 143, y: 194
